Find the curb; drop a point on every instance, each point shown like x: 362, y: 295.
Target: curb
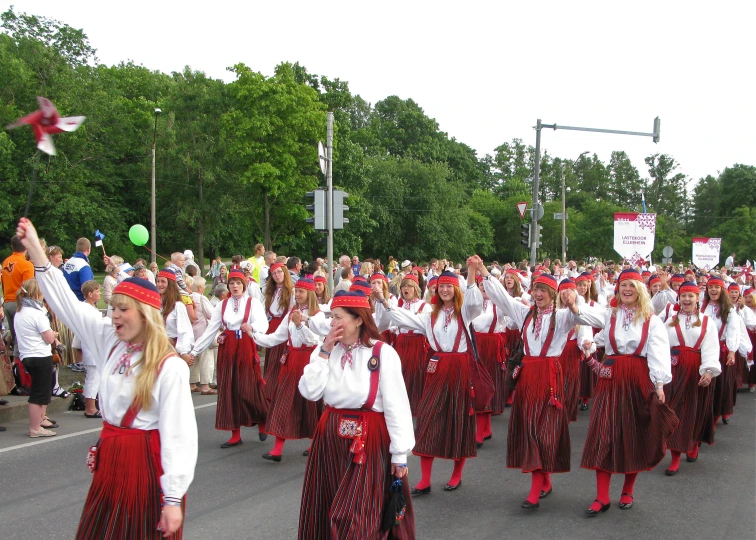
x: 17, y: 409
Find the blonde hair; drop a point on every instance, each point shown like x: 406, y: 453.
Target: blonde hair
x: 29, y: 288
x: 645, y: 308
x: 157, y: 347
x: 414, y: 286
x: 366, y: 269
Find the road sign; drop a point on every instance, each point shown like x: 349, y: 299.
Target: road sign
x: 521, y: 208
x: 558, y: 215
x: 666, y: 260
x: 322, y: 157
x: 539, y: 211
x: 668, y: 251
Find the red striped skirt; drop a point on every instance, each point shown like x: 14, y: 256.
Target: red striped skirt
x: 683, y: 395
x: 291, y: 416
x: 446, y: 416
x: 240, y: 384
x: 272, y: 360
x: 752, y: 372
x: 570, y: 362
x: 741, y: 365
x: 125, y: 498
x: 343, y: 499
x: 538, y: 437
x: 413, y: 352
x: 387, y: 336
x: 725, y: 385
x: 492, y: 351
x: 588, y: 377
x: 629, y: 426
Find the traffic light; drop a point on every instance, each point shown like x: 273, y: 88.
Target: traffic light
x: 339, y: 208
x: 318, y: 209
x: 525, y: 233
x: 657, y: 129
x: 539, y: 238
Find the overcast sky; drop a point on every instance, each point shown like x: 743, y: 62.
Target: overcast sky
x: 484, y: 70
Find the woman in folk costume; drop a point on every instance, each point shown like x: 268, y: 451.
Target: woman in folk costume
x: 579, y: 347
x: 513, y: 286
x: 381, y: 281
x: 430, y: 291
x: 695, y: 361
x: 321, y: 291
x: 491, y: 339
x: 664, y: 290
x: 538, y: 441
x: 144, y: 461
x: 745, y: 348
x: 176, y: 318
x: 630, y: 424
x: 412, y: 347
x: 240, y: 382
x: 290, y: 416
x: 445, y: 414
x: 718, y: 306
x: 750, y: 303
x: 585, y: 285
x: 279, y: 297
x: 362, y: 439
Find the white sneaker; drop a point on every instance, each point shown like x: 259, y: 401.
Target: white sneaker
x: 41, y: 432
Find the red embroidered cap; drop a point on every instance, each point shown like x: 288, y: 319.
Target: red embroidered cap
x: 140, y: 290
x: 304, y: 283
x: 167, y: 274
x: 688, y: 287
x: 350, y: 299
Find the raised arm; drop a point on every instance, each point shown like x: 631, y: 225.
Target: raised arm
x: 508, y: 305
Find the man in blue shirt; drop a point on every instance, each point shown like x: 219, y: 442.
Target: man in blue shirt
x: 76, y: 269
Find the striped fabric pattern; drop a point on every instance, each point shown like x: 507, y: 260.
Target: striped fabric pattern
x: 446, y: 420
x: 682, y: 397
x: 492, y: 351
x: 588, y: 377
x: 124, y: 499
x: 413, y: 352
x: 273, y: 360
x: 569, y: 361
x: 291, y: 416
x: 538, y: 436
x: 629, y: 426
x: 240, y: 393
x: 725, y: 385
x: 341, y: 499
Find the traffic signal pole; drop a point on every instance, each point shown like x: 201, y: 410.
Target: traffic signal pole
x: 329, y: 196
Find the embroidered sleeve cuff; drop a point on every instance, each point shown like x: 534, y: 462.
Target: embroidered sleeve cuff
x: 172, y: 501
x: 44, y: 268
x: 399, y: 459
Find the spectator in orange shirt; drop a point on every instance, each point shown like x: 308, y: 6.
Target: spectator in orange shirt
x: 16, y: 270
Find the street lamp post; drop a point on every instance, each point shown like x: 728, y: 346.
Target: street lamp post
x: 564, y: 210
x: 153, y: 241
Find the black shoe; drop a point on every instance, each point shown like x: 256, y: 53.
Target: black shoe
x: 263, y: 436
x: 271, y: 457
x: 3, y: 402
x: 583, y: 406
x: 527, y: 505
x: 52, y: 425
x: 449, y: 487
x: 488, y: 438
x: 3, y: 428
x: 626, y: 506
x: 725, y: 420
x: 691, y: 459
x: 507, y: 405
x: 424, y: 491
x: 306, y: 453
x: 593, y: 513
x: 478, y: 445
x: 545, y: 494
x: 229, y: 444
x: 670, y: 472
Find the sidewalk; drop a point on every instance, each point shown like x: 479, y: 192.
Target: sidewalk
x: 17, y: 408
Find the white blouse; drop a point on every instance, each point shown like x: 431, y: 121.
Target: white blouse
x: 421, y: 322
x: 275, y: 309
x: 483, y: 322
x: 565, y: 320
x: 301, y: 336
x: 709, y: 345
x: 172, y: 412
x: 731, y: 334
x: 656, y: 349
x: 382, y: 318
x: 178, y: 327
x: 745, y: 345
x: 233, y: 319
x: 86, y: 356
x: 348, y: 388
x: 662, y: 298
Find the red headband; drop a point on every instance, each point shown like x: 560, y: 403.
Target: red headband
x: 678, y: 279
x: 448, y: 280
x: 629, y: 274
x: 305, y: 284
x: 419, y: 270
x: 276, y: 266
x: 583, y: 277
x: 733, y: 287
x: 566, y: 285
x: 350, y: 301
x: 411, y: 278
x: 689, y: 288
x: 716, y: 281
x: 653, y: 279
x: 361, y: 286
x: 319, y: 279
x: 144, y: 295
x: 548, y: 280
x: 749, y: 291
x: 377, y: 276
x: 167, y: 274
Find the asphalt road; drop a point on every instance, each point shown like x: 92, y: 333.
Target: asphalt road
x: 237, y: 494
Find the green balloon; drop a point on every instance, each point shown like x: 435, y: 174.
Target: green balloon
x: 138, y: 235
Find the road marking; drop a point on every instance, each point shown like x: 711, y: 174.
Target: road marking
x: 69, y: 435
